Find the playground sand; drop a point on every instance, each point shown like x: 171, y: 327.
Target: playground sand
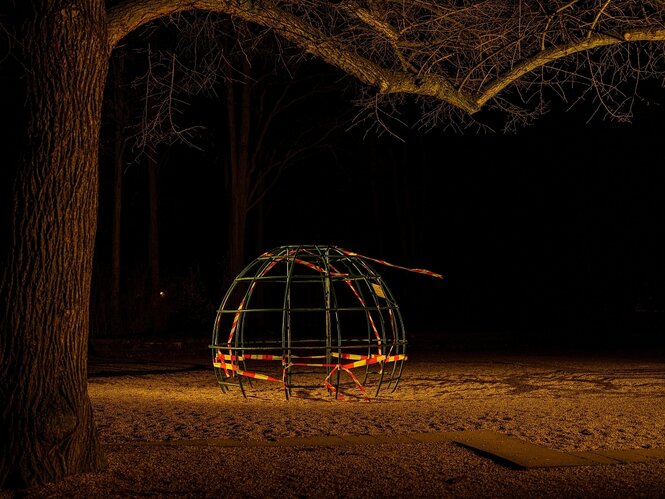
x: 169, y: 431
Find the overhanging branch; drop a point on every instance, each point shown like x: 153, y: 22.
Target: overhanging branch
x: 339, y: 52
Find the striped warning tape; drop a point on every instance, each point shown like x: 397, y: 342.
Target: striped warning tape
x: 372, y: 359
x: 234, y: 368
x: 236, y: 318
x: 333, y: 389
x: 378, y: 290
x: 369, y: 359
x: 369, y: 314
x: 227, y: 363
x: 383, y: 262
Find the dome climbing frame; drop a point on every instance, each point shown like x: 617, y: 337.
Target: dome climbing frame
x: 316, y: 318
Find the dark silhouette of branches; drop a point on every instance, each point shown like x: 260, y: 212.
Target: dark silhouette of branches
x: 459, y: 57
x: 250, y: 83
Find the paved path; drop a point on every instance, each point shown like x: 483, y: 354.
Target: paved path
x: 501, y: 448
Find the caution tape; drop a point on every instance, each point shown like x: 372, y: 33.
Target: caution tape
x: 236, y: 318
x: 333, y: 389
x: 362, y: 302
x: 240, y: 372
x: 310, y: 364
x: 228, y: 364
x: 383, y: 262
x: 378, y: 290
x: 373, y: 360
x: 369, y: 360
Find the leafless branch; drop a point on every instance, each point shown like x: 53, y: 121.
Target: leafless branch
x: 467, y: 55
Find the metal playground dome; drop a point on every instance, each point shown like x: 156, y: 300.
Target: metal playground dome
x: 310, y: 317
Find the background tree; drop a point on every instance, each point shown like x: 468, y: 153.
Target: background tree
x: 208, y: 93
x: 261, y: 95
x: 126, y: 145
x: 106, y: 300
x: 455, y: 58
x: 228, y: 67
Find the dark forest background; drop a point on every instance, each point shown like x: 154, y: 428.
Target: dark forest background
x: 551, y: 235
x: 547, y: 236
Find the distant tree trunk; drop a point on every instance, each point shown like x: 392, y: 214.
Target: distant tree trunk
x: 116, y: 232
x: 260, y: 221
x: 239, y: 122
x: 406, y: 216
x: 119, y: 108
x: 377, y: 186
x: 153, y: 243
x: 46, y: 422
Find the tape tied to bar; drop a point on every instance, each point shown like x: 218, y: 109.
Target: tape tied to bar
x: 388, y: 264
x: 228, y: 363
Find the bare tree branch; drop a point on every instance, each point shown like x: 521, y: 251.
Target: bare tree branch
x: 465, y: 55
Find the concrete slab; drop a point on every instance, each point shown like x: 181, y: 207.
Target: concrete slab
x: 209, y: 442
x: 595, y: 458
x: 380, y: 439
x: 361, y: 439
x: 331, y: 440
x: 516, y: 452
x: 504, y: 448
x: 653, y: 453
x: 630, y: 455
x: 437, y: 436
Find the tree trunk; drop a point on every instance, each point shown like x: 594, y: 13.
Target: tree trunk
x: 116, y: 234
x: 120, y: 112
x: 153, y: 244
x: 46, y: 423
x: 239, y: 122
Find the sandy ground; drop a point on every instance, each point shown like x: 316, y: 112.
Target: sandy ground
x: 158, y: 420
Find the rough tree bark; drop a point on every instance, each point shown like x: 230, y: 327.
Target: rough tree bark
x: 46, y: 420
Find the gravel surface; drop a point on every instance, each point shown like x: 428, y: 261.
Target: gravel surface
x: 158, y: 420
